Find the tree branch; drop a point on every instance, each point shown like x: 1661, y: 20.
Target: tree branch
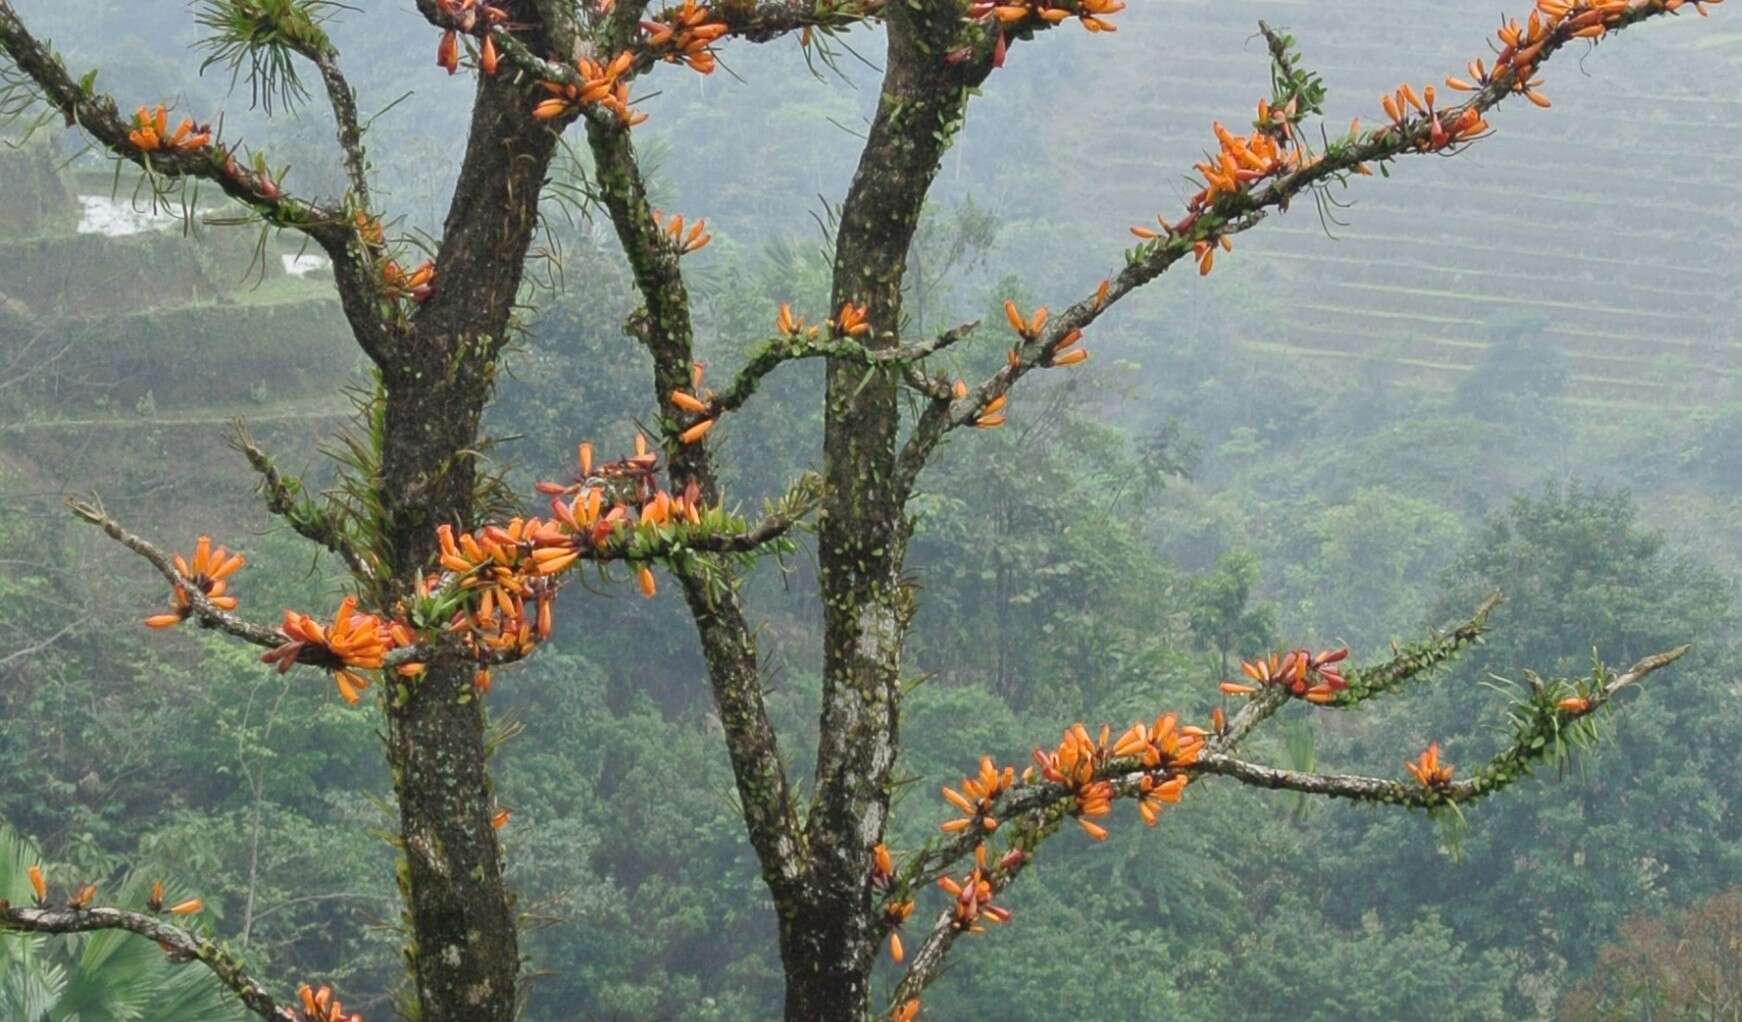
x: 664, y: 327
x: 100, y: 117
x: 350, y: 132
x: 285, y: 498
x: 1535, y: 734
x: 1241, y: 209
x: 777, y: 351
x: 179, y: 944
x: 207, y: 615
x: 1040, y: 807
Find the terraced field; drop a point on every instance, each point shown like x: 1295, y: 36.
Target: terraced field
x: 134, y: 346
x: 1611, y: 220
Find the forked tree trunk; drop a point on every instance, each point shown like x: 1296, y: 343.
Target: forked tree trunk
x: 830, y: 935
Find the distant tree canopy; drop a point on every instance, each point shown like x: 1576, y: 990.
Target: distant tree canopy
x: 450, y: 582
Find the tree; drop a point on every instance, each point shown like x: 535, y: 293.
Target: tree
x: 1223, y: 618
x: 1685, y: 966
x: 450, y: 585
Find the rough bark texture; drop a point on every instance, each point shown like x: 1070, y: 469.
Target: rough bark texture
x: 663, y: 326
x: 463, y: 951
x: 829, y: 936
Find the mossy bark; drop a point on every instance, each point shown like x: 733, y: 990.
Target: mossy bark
x: 462, y: 948
x: 829, y: 935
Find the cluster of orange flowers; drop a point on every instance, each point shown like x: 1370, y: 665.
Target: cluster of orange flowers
x: 151, y: 132
x: 790, y: 325
x: 991, y: 414
x: 369, y: 230
x: 418, y: 284
x: 187, y: 907
x: 1468, y: 126
x: 472, y: 18
x: 977, y: 796
x: 1028, y: 330
x: 601, y: 84
x: 852, y: 320
x: 685, y: 35
x: 1429, y: 770
x: 1164, y: 745
x: 501, y: 566
x: 1092, y: 13
x: 896, y: 910
x: 353, y: 642
x: 1163, y: 749
x: 973, y: 893
x: 1239, y: 163
x: 1074, y: 764
x: 210, y: 573
x: 1307, y: 675
x: 321, y: 1006
x: 672, y: 227
x: 907, y: 1012
x: 502, y: 576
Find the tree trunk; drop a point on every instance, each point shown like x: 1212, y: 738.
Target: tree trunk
x: 829, y: 935
x: 827, y: 960
x: 463, y: 952
x: 462, y: 948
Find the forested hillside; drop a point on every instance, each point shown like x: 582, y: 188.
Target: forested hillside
x: 1515, y: 370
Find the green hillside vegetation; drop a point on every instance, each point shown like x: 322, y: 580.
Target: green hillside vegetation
x: 1516, y: 369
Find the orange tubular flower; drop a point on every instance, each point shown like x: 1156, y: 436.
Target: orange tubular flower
x: 321, y: 1006
x: 209, y: 571
x: 907, y: 1012
x: 1429, y: 770
x: 500, y: 820
x: 150, y: 132
x: 852, y: 320
x: 352, y: 643
x: 1028, y: 329
x: 448, y: 51
x: 187, y: 908
x: 696, y: 432
x: 38, y: 887
x: 882, y: 866
x: 1307, y: 675
x: 1574, y: 705
x: 975, y: 800
x: 973, y: 897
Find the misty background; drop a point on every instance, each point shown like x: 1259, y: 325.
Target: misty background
x: 1514, y: 369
